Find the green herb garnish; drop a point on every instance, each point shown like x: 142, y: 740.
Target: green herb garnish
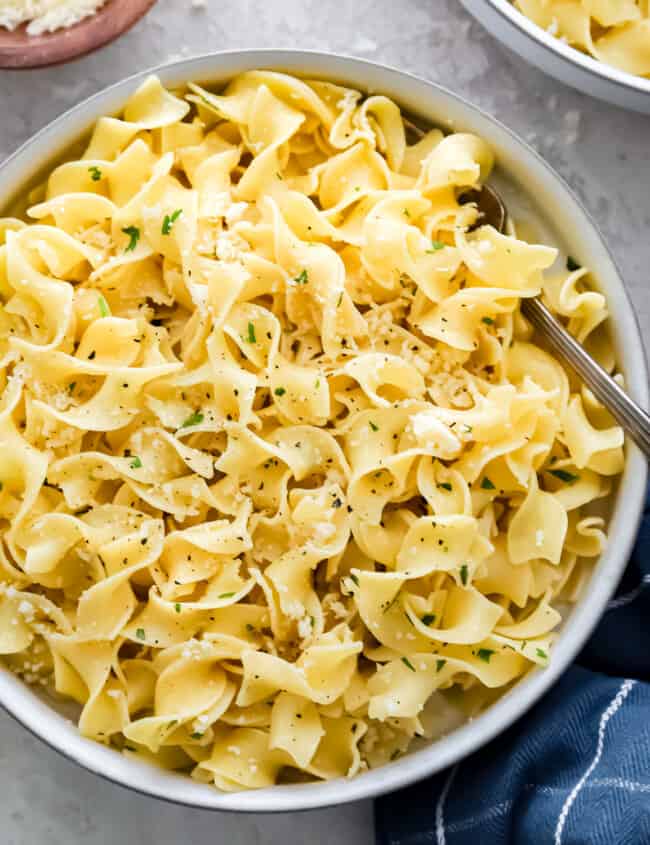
x: 373, y: 426
x: 428, y: 619
x: 486, y: 484
x: 134, y: 234
x: 72, y: 386
x: 169, y: 221
x: 302, y: 278
x: 197, y: 735
x: 354, y: 578
x: 225, y: 595
x: 279, y: 391
x: 572, y: 264
x: 440, y: 664
x: 140, y: 634
x: 194, y: 419
x: 463, y: 575
x: 565, y: 476
x: 488, y: 321
x: 340, y: 300
x: 446, y: 486
x: 136, y: 463
x: 408, y: 663
x: 251, y: 334
x: 485, y: 654
x: 104, y: 310
x: 177, y: 607
x: 436, y: 245
x: 95, y: 173
x: 541, y: 653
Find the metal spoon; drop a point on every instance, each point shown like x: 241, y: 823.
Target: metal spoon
x: 632, y: 418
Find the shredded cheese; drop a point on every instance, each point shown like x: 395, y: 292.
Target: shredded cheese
x: 46, y: 15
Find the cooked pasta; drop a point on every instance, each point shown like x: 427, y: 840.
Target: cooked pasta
x: 616, y: 32
x: 286, y: 480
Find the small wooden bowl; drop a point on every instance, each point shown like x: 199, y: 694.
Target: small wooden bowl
x: 19, y: 50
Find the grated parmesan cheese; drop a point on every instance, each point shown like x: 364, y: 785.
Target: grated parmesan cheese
x: 46, y: 15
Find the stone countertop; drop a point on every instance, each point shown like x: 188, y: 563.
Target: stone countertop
x: 602, y: 151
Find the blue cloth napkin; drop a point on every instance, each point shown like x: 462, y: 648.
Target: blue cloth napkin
x: 575, y: 770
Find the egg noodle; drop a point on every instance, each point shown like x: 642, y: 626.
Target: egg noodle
x: 616, y: 32
x: 285, y: 480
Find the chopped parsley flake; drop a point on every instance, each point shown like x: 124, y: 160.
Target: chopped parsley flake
x: 225, y: 595
x: 340, y: 300
x: 134, y: 234
x: 541, y: 653
x: 251, y: 334
x: 565, y: 476
x: 436, y: 245
x: 302, y: 278
x: 572, y: 264
x: 279, y: 391
x: 428, y: 619
x: 463, y: 574
x: 169, y: 221
x: 408, y: 663
x: 72, y: 386
x: 104, y: 310
x: 354, y: 578
x: 485, y: 654
x: 136, y: 463
x: 373, y: 426
x: 95, y: 173
x: 440, y: 664
x: 445, y: 486
x: 140, y: 634
x: 197, y: 735
x: 177, y: 607
x: 488, y: 321
x: 486, y: 484
x: 194, y: 419
x: 406, y: 212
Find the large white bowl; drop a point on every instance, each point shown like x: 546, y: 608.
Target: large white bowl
x: 571, y: 66
x: 556, y: 210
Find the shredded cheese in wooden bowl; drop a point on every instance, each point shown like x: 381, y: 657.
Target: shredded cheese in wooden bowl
x: 46, y: 15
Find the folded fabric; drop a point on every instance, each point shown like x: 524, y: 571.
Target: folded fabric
x: 574, y: 770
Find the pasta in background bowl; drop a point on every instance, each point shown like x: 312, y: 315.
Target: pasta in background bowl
x: 291, y: 482
x: 602, y: 48
x: 615, y: 33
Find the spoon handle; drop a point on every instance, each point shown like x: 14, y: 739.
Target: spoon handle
x: 625, y: 411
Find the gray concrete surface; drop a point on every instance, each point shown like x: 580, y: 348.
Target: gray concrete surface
x: 602, y: 151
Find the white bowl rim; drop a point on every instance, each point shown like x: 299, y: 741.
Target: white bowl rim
x: 24, y: 706
x: 570, y: 55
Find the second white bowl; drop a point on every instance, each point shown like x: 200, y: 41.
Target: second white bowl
x: 531, y: 42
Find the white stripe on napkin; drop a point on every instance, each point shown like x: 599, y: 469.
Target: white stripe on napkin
x: 628, y: 598
x: 440, y: 807
x: 613, y: 708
